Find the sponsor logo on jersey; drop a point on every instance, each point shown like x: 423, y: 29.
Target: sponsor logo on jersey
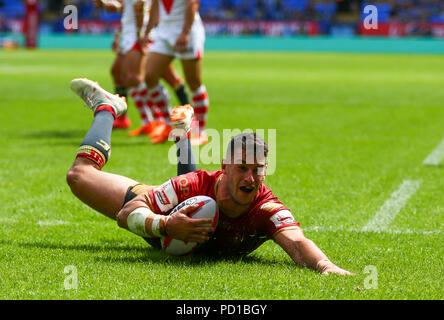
x: 281, y: 218
x: 166, y: 197
x: 184, y: 186
x: 162, y: 197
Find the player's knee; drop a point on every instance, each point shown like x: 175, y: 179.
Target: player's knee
x: 115, y: 72
x: 74, y: 176
x: 133, y: 80
x: 151, y: 79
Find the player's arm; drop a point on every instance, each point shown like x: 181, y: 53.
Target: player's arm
x: 305, y: 252
x: 111, y: 6
x: 116, y: 41
x: 139, y: 7
x: 137, y: 217
x: 154, y: 17
x: 152, y: 22
x: 184, y: 37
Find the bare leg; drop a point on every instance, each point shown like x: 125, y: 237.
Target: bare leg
x: 102, y: 191
x: 192, y: 70
x: 172, y: 77
x: 157, y: 65
x: 133, y: 66
x: 116, y: 70
x: 176, y: 82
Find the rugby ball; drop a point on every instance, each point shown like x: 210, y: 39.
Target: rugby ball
x: 207, y: 209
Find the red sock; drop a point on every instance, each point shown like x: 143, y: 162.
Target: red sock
x: 107, y: 108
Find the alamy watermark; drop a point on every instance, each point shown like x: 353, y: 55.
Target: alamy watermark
x: 371, y: 18
x: 71, y: 281
x: 71, y: 21
x: 371, y: 281
x: 215, y: 150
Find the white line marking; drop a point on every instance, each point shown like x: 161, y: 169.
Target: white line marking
x: 436, y: 156
x: 387, y: 213
x: 308, y: 229
x: 351, y: 230
x: 51, y: 222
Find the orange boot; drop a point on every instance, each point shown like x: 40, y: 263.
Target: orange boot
x: 122, y: 122
x: 160, y: 133
x: 199, y: 138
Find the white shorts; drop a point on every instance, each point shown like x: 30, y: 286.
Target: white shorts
x: 166, y: 35
x: 128, y: 42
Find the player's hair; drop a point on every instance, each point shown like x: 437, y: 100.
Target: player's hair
x: 253, y: 145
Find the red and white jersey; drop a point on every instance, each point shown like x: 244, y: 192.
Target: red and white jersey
x: 173, y: 11
x: 237, y: 236
x: 128, y: 19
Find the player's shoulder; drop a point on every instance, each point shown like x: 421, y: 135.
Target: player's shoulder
x: 267, y: 202
x: 269, y: 208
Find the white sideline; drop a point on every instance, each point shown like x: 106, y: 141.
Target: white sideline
x: 388, y: 231
x: 51, y: 222
x: 307, y: 229
x: 436, y: 156
x: 387, y: 213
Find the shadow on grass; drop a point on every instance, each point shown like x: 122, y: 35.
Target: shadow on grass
x: 436, y: 166
x: 80, y: 247
x: 156, y: 256
x: 77, y: 135
x: 140, y: 254
x: 58, y: 134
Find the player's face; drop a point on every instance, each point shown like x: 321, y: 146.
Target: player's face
x: 244, y: 179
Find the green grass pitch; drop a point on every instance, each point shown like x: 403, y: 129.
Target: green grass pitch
x: 350, y: 129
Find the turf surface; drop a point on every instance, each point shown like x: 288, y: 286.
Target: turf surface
x: 350, y: 129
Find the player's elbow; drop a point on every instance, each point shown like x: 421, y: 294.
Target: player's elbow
x: 138, y: 6
x: 133, y: 79
x: 194, y: 2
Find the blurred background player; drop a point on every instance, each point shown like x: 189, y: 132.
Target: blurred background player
x: 122, y: 122
x: 179, y: 34
x: 128, y: 67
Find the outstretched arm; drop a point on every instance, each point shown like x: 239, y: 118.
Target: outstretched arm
x: 304, y: 252
x: 110, y: 6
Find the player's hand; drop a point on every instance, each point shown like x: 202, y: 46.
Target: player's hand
x: 115, y: 44
x: 98, y: 4
x: 335, y: 270
x: 143, y: 43
x: 182, y: 43
x: 180, y: 226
